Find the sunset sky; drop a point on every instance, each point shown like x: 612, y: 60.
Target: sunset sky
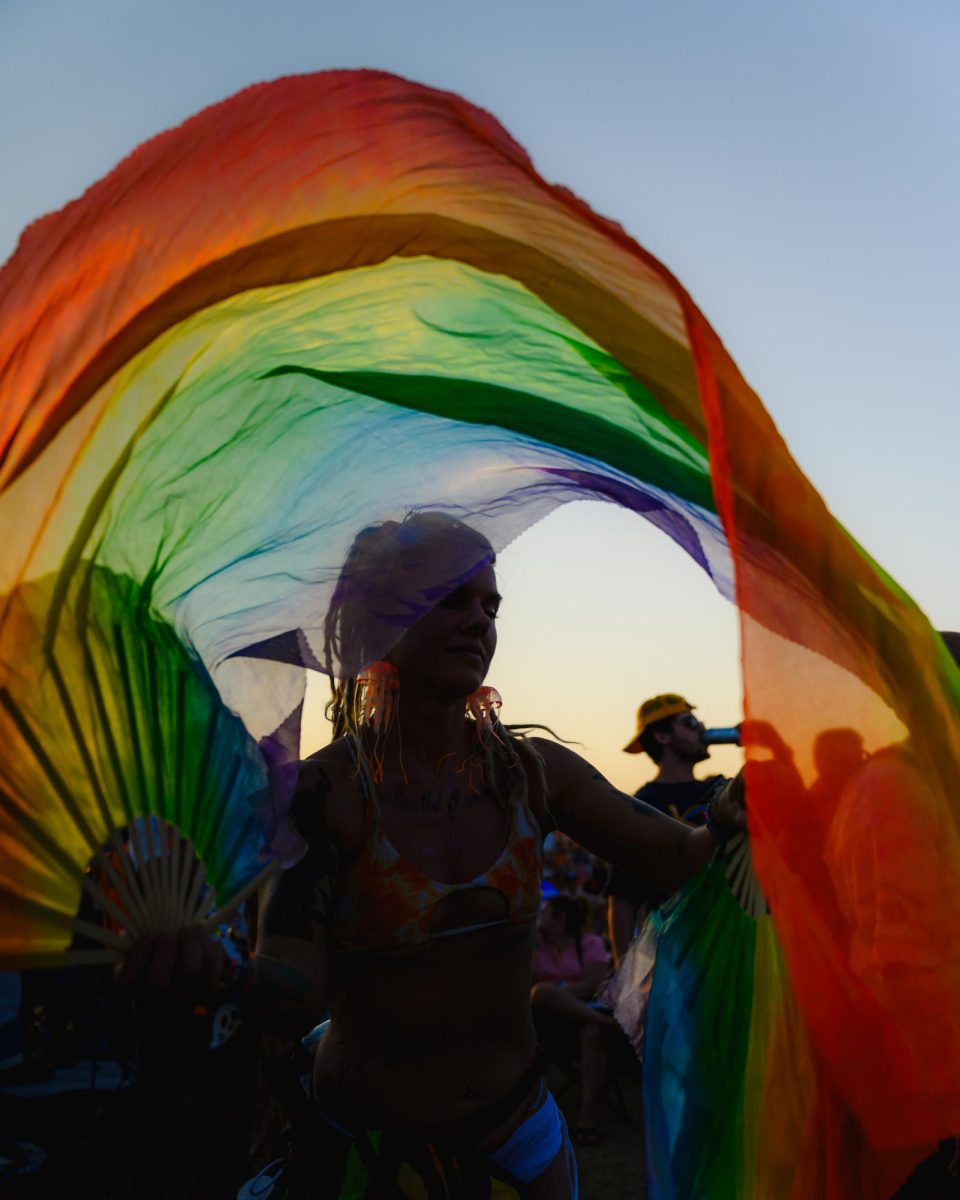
x: 795, y: 165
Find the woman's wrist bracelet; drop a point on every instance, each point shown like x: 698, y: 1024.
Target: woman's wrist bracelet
x: 719, y: 830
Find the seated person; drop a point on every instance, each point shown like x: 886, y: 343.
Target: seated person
x: 569, y: 967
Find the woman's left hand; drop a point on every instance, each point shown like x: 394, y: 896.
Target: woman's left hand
x: 729, y: 806
x: 189, y: 961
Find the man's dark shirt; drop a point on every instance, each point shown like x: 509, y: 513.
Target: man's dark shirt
x: 685, y: 801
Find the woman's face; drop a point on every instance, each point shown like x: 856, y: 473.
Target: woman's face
x: 449, y: 650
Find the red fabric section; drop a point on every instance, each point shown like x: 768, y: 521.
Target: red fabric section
x: 858, y: 856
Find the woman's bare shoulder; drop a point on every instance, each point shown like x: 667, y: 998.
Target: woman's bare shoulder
x: 569, y: 777
x: 544, y: 780
x: 332, y: 758
x: 556, y: 757
x: 329, y: 776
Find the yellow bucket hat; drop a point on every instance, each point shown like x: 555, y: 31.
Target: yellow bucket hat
x: 656, y: 709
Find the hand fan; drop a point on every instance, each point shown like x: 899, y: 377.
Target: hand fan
x: 124, y: 779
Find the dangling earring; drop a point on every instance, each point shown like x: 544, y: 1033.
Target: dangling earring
x: 484, y: 706
x: 377, y: 696
x: 375, y: 707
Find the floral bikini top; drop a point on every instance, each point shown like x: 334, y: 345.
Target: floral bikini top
x: 386, y: 903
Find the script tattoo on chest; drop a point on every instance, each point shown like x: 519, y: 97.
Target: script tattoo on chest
x: 426, y: 799
x: 303, y: 894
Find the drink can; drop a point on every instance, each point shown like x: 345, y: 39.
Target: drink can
x: 729, y: 735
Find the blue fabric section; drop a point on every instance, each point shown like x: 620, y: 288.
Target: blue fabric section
x: 535, y: 1143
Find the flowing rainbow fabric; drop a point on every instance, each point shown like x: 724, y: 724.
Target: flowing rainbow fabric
x: 334, y: 298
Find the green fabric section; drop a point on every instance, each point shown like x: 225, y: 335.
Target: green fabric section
x: 698, y: 1029
x: 775, y: 1123
x: 109, y: 720
x: 548, y: 421
x: 195, y: 414
x: 356, y: 1177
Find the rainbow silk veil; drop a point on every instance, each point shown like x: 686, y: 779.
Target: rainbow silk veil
x: 333, y: 299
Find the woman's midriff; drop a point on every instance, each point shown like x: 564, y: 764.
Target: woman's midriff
x: 430, y: 1035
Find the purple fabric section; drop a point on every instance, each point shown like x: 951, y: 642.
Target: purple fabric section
x: 663, y: 514
x: 395, y: 573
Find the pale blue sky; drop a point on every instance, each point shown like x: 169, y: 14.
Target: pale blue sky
x: 795, y: 164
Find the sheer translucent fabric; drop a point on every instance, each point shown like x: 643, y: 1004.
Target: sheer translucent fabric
x: 337, y: 298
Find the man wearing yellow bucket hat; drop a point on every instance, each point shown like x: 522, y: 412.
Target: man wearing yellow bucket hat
x: 675, y: 739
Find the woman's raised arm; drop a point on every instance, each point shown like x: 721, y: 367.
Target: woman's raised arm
x: 623, y: 830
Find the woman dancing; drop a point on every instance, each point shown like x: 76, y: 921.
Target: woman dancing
x: 412, y: 917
